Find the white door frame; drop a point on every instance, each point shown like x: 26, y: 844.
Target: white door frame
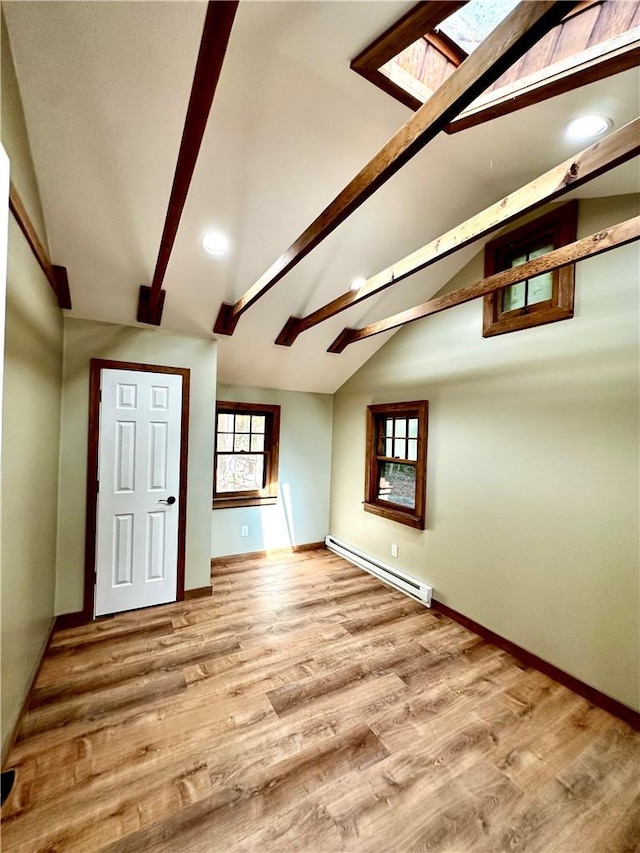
x: 97, y: 365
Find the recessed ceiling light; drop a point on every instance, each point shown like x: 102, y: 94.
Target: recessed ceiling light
x: 215, y: 243
x: 357, y: 283
x: 587, y: 127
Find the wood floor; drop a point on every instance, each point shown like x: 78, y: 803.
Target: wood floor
x: 308, y: 707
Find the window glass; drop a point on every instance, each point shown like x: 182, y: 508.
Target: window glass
x: 540, y: 288
x: 225, y: 442
x: 397, y: 484
x: 513, y: 297
x: 225, y: 423
x: 257, y: 442
x: 243, y: 423
x: 239, y: 473
x: 241, y: 443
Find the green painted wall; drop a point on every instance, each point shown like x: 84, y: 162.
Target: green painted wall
x: 533, y: 467
x: 301, y: 514
x: 30, y: 430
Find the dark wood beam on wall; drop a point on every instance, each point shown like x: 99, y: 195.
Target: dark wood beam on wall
x: 56, y: 276
x: 587, y: 247
x: 213, y: 46
x: 526, y: 24
x: 602, y: 156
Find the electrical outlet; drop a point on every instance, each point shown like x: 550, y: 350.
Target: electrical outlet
x: 244, y: 530
x: 394, y: 549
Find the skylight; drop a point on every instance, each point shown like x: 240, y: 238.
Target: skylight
x: 471, y: 24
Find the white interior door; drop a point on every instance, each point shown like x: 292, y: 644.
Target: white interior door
x: 139, y: 489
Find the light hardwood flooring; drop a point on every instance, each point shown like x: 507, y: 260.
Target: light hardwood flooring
x: 308, y: 707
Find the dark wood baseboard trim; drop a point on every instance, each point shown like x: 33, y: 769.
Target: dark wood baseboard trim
x: 200, y: 592
x: 71, y: 620
x: 274, y: 552
x: 25, y: 702
x: 596, y: 697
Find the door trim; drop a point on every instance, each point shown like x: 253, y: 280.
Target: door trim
x: 98, y: 364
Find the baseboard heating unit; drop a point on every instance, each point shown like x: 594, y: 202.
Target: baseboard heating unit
x: 387, y: 574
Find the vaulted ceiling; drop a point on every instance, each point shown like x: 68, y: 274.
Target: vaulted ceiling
x: 105, y: 87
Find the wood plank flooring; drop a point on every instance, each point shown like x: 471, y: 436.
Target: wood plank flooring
x: 308, y: 707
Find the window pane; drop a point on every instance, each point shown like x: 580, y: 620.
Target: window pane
x: 401, y: 427
x: 399, y: 448
x: 389, y: 427
x: 513, y: 297
x: 412, y: 451
x: 257, y: 423
x: 519, y: 259
x: 540, y: 288
x: 257, y: 442
x: 544, y: 249
x: 389, y: 447
x: 397, y: 484
x: 239, y: 473
x: 243, y: 423
x: 225, y: 442
x: 241, y: 443
x: 225, y: 423
x: 413, y: 428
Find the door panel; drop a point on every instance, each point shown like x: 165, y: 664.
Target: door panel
x: 138, y: 470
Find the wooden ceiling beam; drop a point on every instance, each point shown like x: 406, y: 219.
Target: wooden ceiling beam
x: 521, y: 29
x: 587, y: 247
x: 213, y: 46
x: 595, y: 160
x: 56, y: 276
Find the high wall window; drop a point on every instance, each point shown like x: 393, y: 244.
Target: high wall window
x: 544, y: 298
x: 395, y: 482
x: 246, y: 454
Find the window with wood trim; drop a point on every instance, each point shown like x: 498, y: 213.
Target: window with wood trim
x: 396, y: 464
x: 542, y: 299
x: 246, y: 454
x: 413, y: 58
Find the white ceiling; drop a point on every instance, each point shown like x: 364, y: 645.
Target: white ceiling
x: 105, y: 86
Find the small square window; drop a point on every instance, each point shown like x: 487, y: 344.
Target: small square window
x: 545, y: 298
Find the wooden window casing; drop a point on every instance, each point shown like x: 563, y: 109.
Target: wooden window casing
x: 555, y: 229
x: 268, y: 492
x: 595, y: 40
x: 378, y: 457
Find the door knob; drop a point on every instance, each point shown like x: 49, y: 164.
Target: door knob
x: 170, y: 500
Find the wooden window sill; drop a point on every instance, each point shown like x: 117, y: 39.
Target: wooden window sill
x: 238, y: 502
x: 393, y: 514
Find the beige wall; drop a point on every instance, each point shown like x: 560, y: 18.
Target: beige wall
x: 84, y: 340
x: 533, y: 467
x: 301, y: 514
x: 30, y: 430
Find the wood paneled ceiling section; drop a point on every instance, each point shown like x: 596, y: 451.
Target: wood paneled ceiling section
x: 596, y: 39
